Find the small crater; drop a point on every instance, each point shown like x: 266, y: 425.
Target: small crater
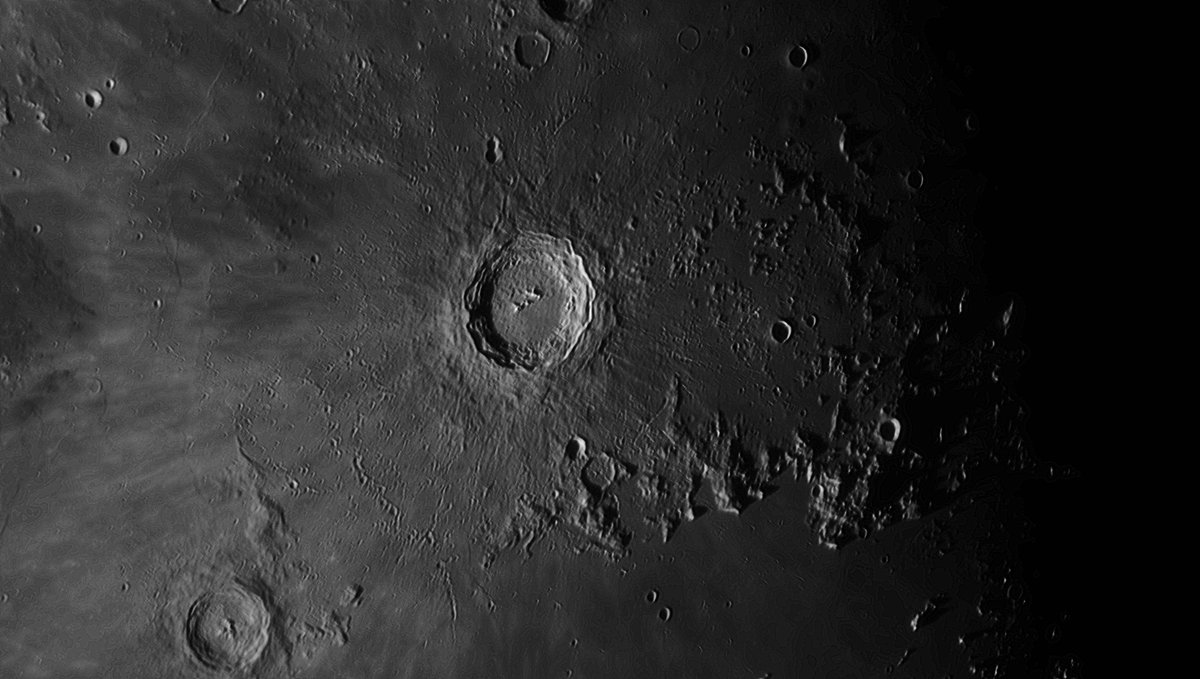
x: 781, y: 331
x: 119, y: 146
x: 915, y: 179
x: 889, y: 430
x: 529, y: 303
x: 229, y: 6
x: 575, y: 447
x: 493, y: 154
x: 93, y: 99
x: 599, y: 473
x: 664, y: 613
x: 532, y: 50
x: 227, y: 629
x: 652, y: 596
x: 688, y: 39
x: 567, y: 10
x: 798, y: 57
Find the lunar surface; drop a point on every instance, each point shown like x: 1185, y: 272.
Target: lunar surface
x: 532, y: 338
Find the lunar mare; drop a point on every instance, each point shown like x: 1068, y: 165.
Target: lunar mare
x: 530, y: 303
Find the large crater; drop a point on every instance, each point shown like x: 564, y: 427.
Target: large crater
x: 530, y: 302
x: 227, y: 629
